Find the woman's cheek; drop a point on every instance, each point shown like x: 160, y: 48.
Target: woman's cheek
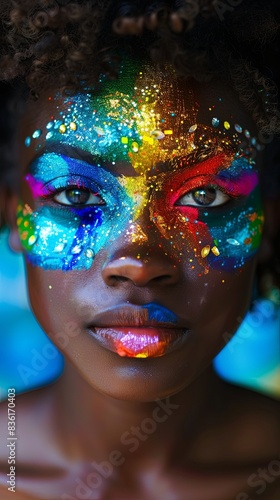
x: 238, y: 234
x: 222, y: 239
x: 63, y: 238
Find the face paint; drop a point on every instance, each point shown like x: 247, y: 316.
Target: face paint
x: 229, y: 234
x: 64, y: 236
x: 147, y: 120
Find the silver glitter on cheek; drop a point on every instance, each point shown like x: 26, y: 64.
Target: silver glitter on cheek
x: 49, y: 125
x: 233, y: 242
x: 77, y: 249
x: 36, y: 134
x: 60, y: 247
x: 89, y: 253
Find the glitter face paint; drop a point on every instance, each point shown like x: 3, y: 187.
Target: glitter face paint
x: 67, y: 237
x: 227, y: 235
x: 147, y: 122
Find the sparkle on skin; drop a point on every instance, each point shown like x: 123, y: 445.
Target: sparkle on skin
x: 141, y: 120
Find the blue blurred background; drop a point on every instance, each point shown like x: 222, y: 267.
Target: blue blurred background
x: 28, y: 359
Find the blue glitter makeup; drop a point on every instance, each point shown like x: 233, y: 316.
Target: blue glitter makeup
x: 66, y: 236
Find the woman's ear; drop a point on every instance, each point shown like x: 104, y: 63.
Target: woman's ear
x: 9, y: 208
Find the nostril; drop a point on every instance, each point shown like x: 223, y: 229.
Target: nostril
x: 118, y: 278
x: 164, y: 278
x: 114, y: 280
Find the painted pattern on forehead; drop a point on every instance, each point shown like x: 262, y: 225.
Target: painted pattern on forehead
x: 144, y: 117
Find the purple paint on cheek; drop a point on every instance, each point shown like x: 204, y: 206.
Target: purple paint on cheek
x: 36, y: 187
x: 242, y: 186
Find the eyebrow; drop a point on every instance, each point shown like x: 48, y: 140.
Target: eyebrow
x: 189, y: 160
x: 76, y: 153
x: 199, y: 155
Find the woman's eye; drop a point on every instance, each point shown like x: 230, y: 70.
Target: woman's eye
x: 78, y: 197
x: 204, y: 197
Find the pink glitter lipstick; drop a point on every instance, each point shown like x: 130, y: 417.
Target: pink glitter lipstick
x: 138, y: 342
x: 146, y: 331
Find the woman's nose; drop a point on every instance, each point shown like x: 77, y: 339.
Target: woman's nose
x: 150, y: 270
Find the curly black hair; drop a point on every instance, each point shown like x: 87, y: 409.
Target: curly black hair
x: 69, y: 43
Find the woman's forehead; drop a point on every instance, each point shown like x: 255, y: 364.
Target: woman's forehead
x: 143, y: 117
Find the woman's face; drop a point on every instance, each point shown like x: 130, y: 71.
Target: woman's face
x: 140, y: 219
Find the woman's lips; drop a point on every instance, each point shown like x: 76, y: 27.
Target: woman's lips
x: 147, y: 331
x: 139, y: 342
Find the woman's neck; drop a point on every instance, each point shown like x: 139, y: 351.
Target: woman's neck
x: 96, y: 423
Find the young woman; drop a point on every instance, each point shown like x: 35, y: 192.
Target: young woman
x: 140, y: 214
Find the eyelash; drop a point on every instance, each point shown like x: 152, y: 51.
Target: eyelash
x: 204, y: 182
x: 58, y: 186
x: 76, y: 182
x: 221, y: 197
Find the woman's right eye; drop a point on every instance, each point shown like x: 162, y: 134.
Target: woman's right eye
x: 78, y: 197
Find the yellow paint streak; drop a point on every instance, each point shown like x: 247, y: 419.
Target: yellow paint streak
x: 137, y: 190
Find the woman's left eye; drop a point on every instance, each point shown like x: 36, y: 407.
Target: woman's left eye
x: 77, y: 197
x: 208, y: 196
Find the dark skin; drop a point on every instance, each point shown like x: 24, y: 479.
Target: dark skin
x: 205, y: 440
x: 231, y: 433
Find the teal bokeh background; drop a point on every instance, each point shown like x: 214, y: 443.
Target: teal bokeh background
x: 28, y: 359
